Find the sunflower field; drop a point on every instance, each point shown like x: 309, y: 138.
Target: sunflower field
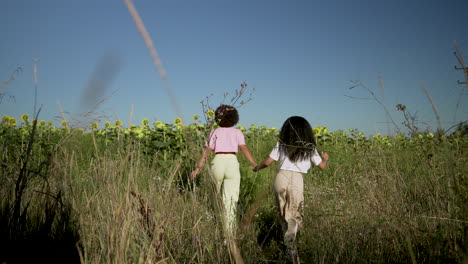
x: 109, y: 193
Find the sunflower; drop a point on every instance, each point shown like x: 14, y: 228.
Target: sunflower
x: 178, y: 121
x: 64, y: 123
x: 25, y: 118
x: 118, y: 123
x: 159, y: 125
x: 12, y: 121
x: 42, y: 123
x: 241, y: 128
x: 145, y: 122
x: 107, y: 124
x: 210, y: 113
x: 94, y: 125
x: 6, y: 119
x: 195, y: 117
x: 319, y: 130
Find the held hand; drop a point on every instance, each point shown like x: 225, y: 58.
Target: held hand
x: 255, y: 167
x: 194, y: 173
x: 325, y: 156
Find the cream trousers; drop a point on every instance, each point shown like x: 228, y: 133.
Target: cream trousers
x: 225, y: 168
x: 289, y: 192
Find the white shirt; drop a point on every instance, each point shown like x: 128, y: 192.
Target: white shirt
x: 301, y: 166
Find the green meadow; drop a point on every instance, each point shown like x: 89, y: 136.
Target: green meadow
x: 123, y: 195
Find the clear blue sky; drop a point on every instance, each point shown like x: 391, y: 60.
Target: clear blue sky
x: 300, y: 56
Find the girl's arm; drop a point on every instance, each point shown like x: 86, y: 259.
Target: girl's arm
x: 246, y: 153
x: 325, y: 158
x: 205, y: 154
x: 265, y: 163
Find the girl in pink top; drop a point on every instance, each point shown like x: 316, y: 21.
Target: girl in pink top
x: 225, y: 142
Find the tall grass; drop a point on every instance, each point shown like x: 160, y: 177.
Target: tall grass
x: 114, y: 204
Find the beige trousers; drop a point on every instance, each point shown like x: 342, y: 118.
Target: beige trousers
x: 225, y: 168
x: 289, y: 192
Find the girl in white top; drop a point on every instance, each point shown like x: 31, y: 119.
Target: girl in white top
x: 296, y: 150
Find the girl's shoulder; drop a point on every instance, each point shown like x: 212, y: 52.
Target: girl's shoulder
x: 231, y: 129
x: 226, y: 130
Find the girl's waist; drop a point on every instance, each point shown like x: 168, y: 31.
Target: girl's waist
x: 292, y: 171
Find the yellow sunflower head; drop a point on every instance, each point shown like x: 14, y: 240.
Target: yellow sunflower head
x: 94, y: 125
x: 178, y: 121
x: 6, y: 119
x: 118, y: 123
x: 25, y: 118
x: 210, y: 114
x: 159, y: 125
x: 64, y: 123
x: 12, y: 121
x: 241, y: 128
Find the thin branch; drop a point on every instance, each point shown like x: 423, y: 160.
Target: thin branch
x: 359, y: 84
x: 458, y: 54
x: 358, y: 98
x: 12, y: 77
x: 459, y: 57
x: 456, y: 125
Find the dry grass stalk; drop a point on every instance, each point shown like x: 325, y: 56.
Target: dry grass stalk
x: 130, y: 118
x: 250, y: 215
x: 35, y: 82
x: 154, y: 54
x: 91, y: 114
x: 62, y: 113
x: 104, y: 73
x: 155, y: 234
x: 434, y: 107
x: 382, y: 89
x: 235, y: 252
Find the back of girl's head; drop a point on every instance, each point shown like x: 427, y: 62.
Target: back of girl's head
x: 297, y: 139
x: 226, y: 116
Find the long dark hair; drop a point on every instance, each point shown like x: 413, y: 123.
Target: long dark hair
x: 297, y: 139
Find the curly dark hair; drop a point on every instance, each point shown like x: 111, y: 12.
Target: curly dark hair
x: 297, y: 139
x: 226, y: 116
